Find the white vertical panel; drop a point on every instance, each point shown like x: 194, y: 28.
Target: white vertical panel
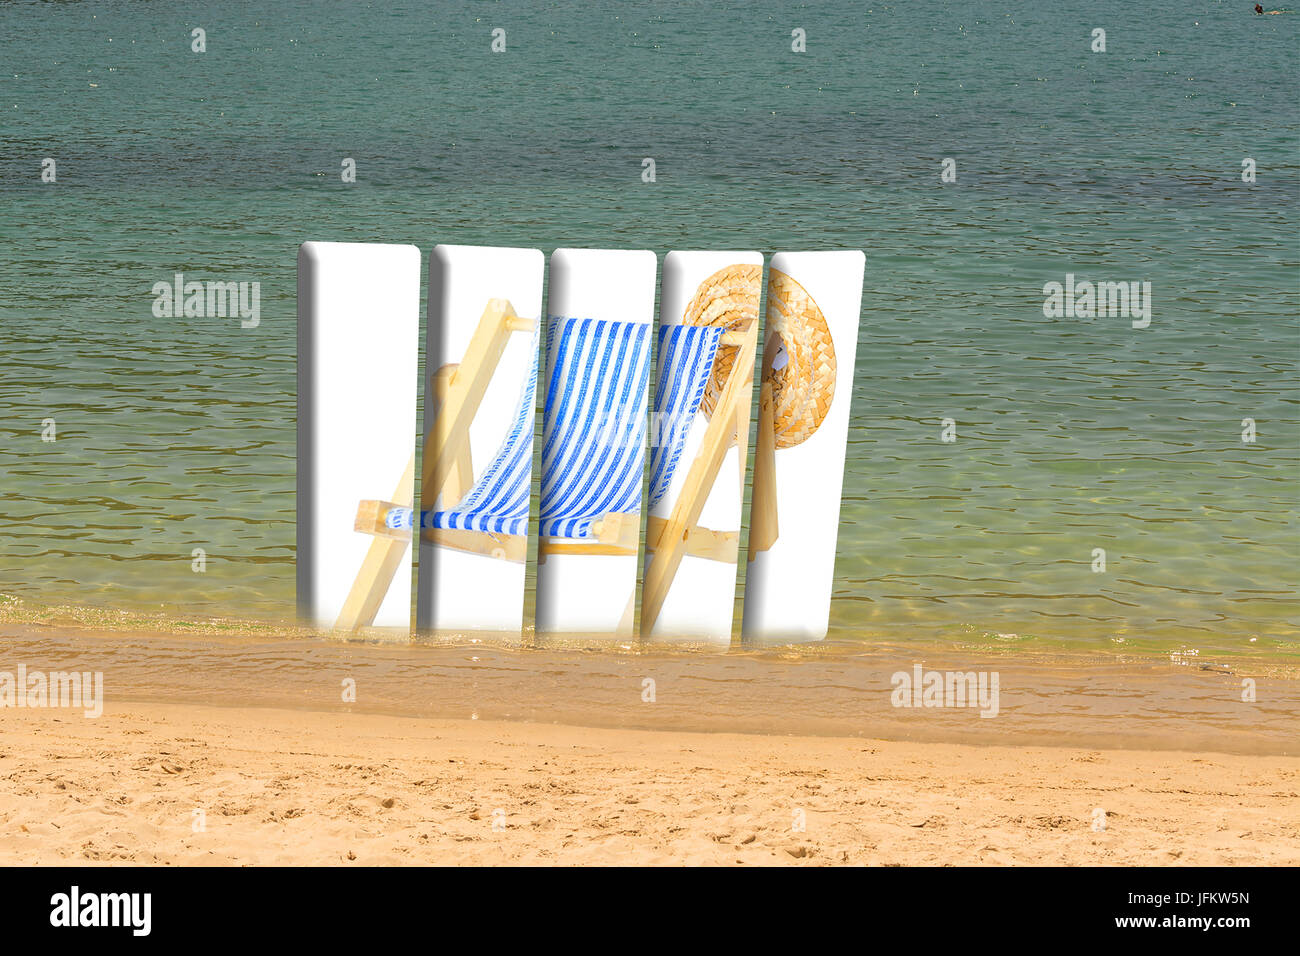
x: 788, y: 587
x: 592, y: 593
x: 358, y: 331
x: 702, y: 598
x: 459, y: 590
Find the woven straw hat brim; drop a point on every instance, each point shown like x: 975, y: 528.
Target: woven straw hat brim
x: 803, y: 389
x: 728, y: 299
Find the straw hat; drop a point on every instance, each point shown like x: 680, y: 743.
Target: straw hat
x: 799, y: 360
x: 728, y: 298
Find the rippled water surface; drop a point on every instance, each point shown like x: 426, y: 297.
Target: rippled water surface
x: 1072, y: 434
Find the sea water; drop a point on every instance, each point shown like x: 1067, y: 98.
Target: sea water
x: 1014, y: 475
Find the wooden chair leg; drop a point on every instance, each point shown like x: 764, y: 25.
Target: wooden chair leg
x: 629, y: 613
x: 699, y: 481
x: 378, y: 568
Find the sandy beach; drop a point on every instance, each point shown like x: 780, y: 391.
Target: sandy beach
x: 252, y: 750
x: 678, y: 434
x: 283, y: 787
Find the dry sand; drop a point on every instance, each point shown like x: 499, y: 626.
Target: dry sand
x: 309, y: 787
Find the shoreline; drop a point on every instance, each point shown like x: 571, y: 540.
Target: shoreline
x: 20, y: 615
x: 1133, y: 703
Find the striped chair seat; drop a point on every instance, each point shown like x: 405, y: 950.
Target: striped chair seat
x: 593, y: 446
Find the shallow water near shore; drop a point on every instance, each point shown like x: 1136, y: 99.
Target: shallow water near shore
x: 1072, y: 434
x: 1112, y: 699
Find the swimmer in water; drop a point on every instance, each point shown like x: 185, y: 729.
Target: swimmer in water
x: 1267, y: 13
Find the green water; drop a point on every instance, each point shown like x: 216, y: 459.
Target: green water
x: 1072, y: 434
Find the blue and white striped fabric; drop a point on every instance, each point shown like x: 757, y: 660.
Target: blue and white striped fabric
x: 593, y: 451
x: 686, y: 354
x: 593, y: 446
x: 498, y: 502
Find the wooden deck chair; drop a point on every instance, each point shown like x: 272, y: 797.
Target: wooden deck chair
x: 488, y: 517
x: 593, y: 456
x: 669, y: 539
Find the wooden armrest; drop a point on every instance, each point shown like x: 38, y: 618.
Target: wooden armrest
x: 370, y: 520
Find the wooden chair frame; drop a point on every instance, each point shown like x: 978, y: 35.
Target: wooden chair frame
x: 670, y: 539
x: 447, y: 472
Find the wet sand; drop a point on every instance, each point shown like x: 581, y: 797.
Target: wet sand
x: 816, y: 690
